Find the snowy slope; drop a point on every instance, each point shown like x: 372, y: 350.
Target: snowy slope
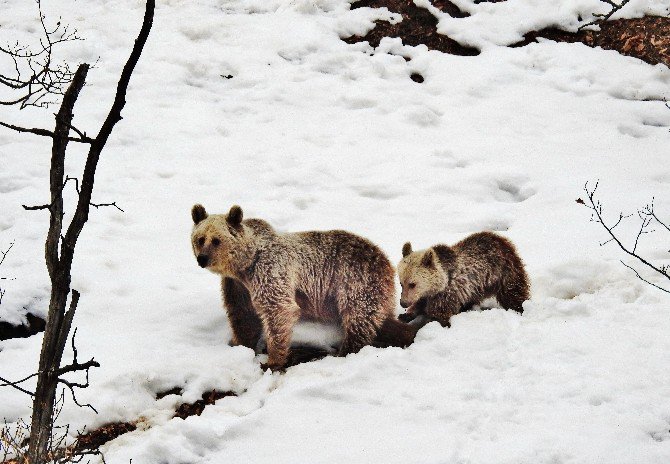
x: 312, y: 133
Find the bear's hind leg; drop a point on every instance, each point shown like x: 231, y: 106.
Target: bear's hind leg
x: 360, y: 321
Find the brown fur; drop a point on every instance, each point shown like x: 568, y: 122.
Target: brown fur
x: 271, y: 280
x: 442, y: 280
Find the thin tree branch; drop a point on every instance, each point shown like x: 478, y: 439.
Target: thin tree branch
x: 6, y: 252
x: 45, y: 133
x: 71, y: 386
x: 114, y: 116
x: 597, y: 209
x: 643, y: 279
x: 34, y: 74
x: 101, y: 205
x: 643, y: 226
x: 9, y: 383
x: 2, y: 260
x: 82, y: 135
x: 648, y: 211
x: 601, y: 18
x: 36, y: 208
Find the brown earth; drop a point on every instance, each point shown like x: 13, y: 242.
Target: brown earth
x: 98, y: 437
x: 417, y: 27
x: 195, y: 409
x: 647, y: 38
x: 34, y: 324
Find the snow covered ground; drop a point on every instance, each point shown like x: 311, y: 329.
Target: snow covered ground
x: 313, y: 133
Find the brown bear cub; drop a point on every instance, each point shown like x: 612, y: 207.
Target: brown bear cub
x: 444, y: 280
x: 270, y: 280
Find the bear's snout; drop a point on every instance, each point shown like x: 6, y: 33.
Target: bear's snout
x: 203, y: 260
x: 404, y: 304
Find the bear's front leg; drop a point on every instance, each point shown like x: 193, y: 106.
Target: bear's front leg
x: 442, y: 306
x: 279, y: 317
x: 244, y: 322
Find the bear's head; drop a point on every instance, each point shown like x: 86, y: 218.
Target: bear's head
x: 217, y: 239
x: 421, y: 275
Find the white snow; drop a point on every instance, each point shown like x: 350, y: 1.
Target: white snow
x: 313, y: 133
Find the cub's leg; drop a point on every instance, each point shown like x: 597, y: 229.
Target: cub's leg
x: 514, y: 290
x: 442, y: 306
x: 244, y: 322
x: 407, y: 317
x: 419, y: 321
x: 279, y: 315
x: 396, y: 333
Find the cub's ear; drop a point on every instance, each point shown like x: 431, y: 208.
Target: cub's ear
x: 406, y: 249
x: 198, y: 213
x: 234, y: 217
x: 428, y: 259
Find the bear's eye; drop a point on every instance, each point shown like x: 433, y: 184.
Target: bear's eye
x: 411, y: 286
x: 201, y: 241
x: 216, y: 242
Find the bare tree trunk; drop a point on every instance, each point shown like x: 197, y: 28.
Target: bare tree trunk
x: 57, y: 327
x: 59, y: 262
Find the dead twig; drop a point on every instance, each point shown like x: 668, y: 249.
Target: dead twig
x: 34, y: 75
x: 45, y: 133
x: 601, y: 18
x: 646, y: 215
x: 2, y: 260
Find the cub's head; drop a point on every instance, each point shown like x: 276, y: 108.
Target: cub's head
x: 217, y: 238
x: 421, y: 275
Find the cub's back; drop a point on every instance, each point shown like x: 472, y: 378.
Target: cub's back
x: 487, y: 247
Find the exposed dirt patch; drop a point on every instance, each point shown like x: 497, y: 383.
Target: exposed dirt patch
x: 647, y: 39
x: 449, y: 8
x: 195, y: 409
x: 98, y: 437
x: 171, y: 391
x: 416, y: 77
x: 33, y: 326
x: 418, y: 26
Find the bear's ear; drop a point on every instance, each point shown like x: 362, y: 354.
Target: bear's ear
x: 428, y: 259
x: 234, y: 217
x: 406, y: 249
x: 198, y: 213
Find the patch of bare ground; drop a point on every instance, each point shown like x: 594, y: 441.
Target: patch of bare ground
x: 86, y: 444
x: 98, y: 437
x: 33, y: 325
x: 89, y: 443
x: 647, y: 38
x: 418, y: 26
x: 196, y: 408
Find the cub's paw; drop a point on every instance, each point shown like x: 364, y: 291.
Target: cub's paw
x: 407, y: 317
x: 272, y: 367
